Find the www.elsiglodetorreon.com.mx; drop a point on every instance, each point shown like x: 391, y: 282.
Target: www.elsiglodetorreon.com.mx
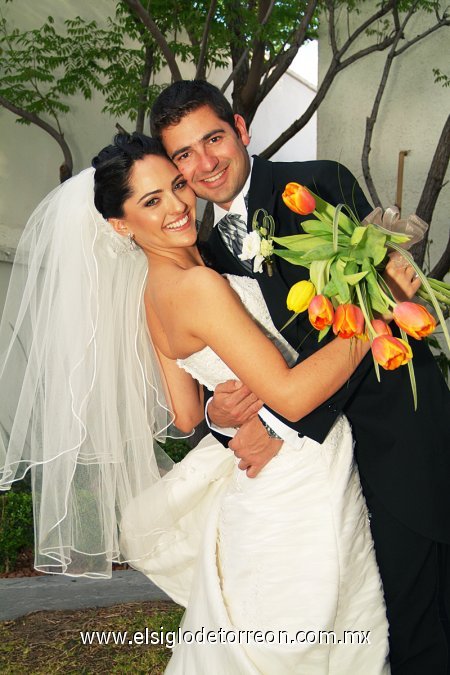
x: 222, y: 635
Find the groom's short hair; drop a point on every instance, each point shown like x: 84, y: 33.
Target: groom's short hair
x: 182, y: 98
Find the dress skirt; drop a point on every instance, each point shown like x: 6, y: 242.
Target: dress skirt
x: 277, y: 573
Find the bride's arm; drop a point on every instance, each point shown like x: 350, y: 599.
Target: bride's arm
x: 221, y: 321
x: 185, y: 394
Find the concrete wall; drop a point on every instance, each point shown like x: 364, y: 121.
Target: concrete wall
x: 411, y: 117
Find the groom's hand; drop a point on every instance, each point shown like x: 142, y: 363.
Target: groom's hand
x: 401, y: 278
x: 233, y: 404
x: 254, y: 447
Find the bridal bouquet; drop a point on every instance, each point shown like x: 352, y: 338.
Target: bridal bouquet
x: 346, y: 291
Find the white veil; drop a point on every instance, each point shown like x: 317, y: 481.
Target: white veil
x: 81, y: 398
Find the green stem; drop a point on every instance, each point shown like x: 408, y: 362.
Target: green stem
x: 426, y: 296
x: 365, y: 312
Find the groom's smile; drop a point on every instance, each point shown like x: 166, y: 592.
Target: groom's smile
x: 210, y: 154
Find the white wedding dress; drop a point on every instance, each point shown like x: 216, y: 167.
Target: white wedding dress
x: 280, y: 557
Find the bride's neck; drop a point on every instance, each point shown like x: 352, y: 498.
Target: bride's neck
x: 183, y: 257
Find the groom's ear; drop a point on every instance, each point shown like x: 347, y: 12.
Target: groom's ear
x: 241, y: 129
x: 119, y: 226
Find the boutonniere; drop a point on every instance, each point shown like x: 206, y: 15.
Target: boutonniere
x: 258, y: 244
x: 346, y: 291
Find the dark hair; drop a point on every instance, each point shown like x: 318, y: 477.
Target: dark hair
x: 113, y: 166
x: 181, y: 98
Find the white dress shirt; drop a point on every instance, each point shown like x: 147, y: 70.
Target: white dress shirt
x: 285, y: 432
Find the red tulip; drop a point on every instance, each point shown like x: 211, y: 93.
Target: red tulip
x: 298, y: 199
x: 348, y: 321
x: 320, y: 312
x: 415, y: 319
x: 391, y: 352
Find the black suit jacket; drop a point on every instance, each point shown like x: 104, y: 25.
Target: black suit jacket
x: 404, y: 455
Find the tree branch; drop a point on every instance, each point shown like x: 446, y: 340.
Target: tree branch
x: 334, y: 68
x: 442, y: 267
x: 245, y: 53
x: 159, y: 38
x: 432, y: 188
x: 145, y: 81
x: 442, y: 22
x: 200, y: 72
x: 332, y: 28
x: 336, y: 65
x: 285, y: 60
x: 371, y: 120
x: 66, y: 168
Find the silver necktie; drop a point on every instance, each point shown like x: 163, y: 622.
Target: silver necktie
x: 233, y: 230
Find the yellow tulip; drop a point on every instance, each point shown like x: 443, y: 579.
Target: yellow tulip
x: 300, y: 296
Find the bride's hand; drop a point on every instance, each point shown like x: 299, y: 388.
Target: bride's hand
x: 254, y: 447
x: 232, y: 404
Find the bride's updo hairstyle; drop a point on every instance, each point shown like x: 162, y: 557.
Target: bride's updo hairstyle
x: 113, y: 167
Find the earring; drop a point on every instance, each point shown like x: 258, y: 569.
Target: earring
x: 132, y: 246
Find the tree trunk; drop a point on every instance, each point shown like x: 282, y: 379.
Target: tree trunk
x: 432, y: 189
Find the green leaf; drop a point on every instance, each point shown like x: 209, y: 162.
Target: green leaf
x: 372, y: 245
x: 376, y: 298
x: 337, y: 276
x: 331, y: 289
x: 323, y: 332
x: 292, y: 257
x: 323, y: 252
x: 316, y: 227
x: 326, y: 211
x: 300, y: 242
x: 358, y: 235
x: 353, y: 279
x: 318, y: 274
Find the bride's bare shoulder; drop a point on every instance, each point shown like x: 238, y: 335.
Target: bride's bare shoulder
x: 205, y: 284
x: 186, y: 288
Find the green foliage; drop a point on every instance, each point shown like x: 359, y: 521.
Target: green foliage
x: 16, y: 527
x: 441, y: 78
x: 176, y: 448
x: 42, y: 68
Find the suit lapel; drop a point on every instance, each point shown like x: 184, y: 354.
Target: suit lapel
x: 262, y: 195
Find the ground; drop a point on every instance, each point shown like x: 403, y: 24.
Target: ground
x: 49, y: 642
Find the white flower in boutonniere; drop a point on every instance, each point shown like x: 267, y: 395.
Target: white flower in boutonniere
x: 251, y: 246
x: 258, y: 244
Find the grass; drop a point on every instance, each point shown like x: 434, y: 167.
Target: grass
x: 49, y: 642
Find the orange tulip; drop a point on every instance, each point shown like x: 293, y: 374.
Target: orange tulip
x: 380, y: 327
x: 348, y: 321
x: 414, y: 319
x: 298, y: 199
x: 391, y: 352
x: 320, y: 312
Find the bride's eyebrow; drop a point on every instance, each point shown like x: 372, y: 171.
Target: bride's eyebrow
x: 158, y: 190
x: 147, y: 194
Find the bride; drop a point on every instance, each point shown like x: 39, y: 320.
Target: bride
x: 112, y: 324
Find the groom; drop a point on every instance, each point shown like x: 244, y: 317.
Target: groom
x: 403, y: 456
